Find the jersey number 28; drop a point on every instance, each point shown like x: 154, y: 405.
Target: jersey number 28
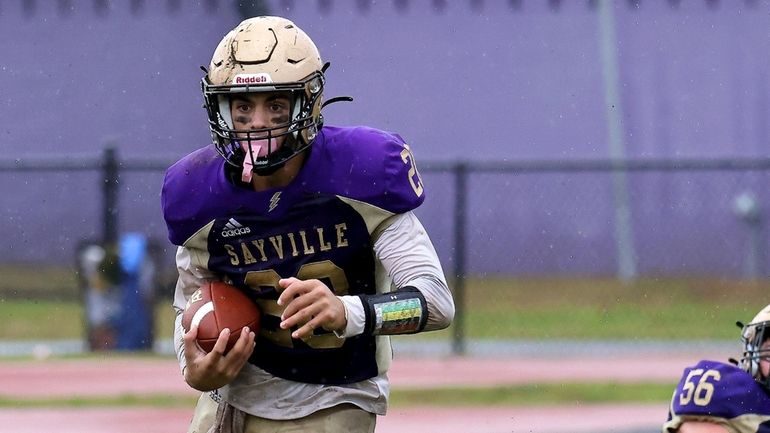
x: 414, y: 176
x: 325, y: 270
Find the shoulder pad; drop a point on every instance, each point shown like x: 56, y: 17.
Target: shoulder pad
x: 186, y: 189
x: 368, y: 165
x: 719, y: 390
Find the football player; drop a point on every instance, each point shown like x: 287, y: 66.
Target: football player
x: 713, y: 397
x: 314, y: 223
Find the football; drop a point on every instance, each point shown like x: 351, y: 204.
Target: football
x: 216, y: 306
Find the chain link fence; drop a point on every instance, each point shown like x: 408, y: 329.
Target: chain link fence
x: 600, y: 218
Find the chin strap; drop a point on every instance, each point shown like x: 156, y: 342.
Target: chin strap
x: 403, y: 311
x: 337, y: 99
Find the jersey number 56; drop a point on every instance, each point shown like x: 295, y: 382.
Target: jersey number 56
x: 701, y: 390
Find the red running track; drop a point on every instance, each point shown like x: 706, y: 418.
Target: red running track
x: 584, y: 419
x: 121, y: 375
x: 114, y: 376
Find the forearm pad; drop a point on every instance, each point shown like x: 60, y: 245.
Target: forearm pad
x: 403, y: 311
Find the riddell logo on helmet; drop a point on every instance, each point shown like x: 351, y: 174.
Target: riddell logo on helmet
x: 252, y: 79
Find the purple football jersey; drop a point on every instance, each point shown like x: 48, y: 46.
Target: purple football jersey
x: 720, y: 393
x: 319, y: 226
x: 359, y: 163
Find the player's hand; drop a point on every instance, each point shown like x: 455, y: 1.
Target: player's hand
x: 310, y: 304
x: 209, y: 371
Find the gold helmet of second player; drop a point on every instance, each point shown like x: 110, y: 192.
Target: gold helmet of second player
x: 754, y: 334
x: 265, y: 54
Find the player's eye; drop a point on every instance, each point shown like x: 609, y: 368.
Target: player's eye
x: 278, y: 107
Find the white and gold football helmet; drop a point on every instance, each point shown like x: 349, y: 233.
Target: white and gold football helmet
x: 265, y: 54
x: 753, y: 335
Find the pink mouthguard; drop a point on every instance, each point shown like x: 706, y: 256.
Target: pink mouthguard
x: 247, y: 165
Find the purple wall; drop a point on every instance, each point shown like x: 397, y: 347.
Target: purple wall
x: 73, y: 81
x: 471, y: 80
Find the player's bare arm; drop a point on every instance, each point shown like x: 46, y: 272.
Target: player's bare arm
x: 209, y: 371
x: 310, y: 304
x: 701, y: 427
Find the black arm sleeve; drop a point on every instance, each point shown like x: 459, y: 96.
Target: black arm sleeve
x: 403, y: 311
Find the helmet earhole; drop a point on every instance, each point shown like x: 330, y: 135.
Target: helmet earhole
x: 311, y: 132
x: 315, y: 85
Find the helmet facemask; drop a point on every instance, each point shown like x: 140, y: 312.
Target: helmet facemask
x: 300, y: 130
x: 753, y: 336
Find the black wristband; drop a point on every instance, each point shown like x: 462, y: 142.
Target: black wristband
x: 403, y: 311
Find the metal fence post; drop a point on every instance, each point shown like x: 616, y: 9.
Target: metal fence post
x: 461, y: 188
x: 110, y: 178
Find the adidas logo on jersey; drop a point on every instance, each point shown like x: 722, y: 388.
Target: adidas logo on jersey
x: 234, y: 228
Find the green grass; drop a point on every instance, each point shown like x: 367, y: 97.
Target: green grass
x: 158, y: 401
x: 25, y: 281
x: 57, y: 320
x: 33, y: 319
x: 597, y: 308
x: 551, y: 394
x: 496, y: 308
x: 536, y: 394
